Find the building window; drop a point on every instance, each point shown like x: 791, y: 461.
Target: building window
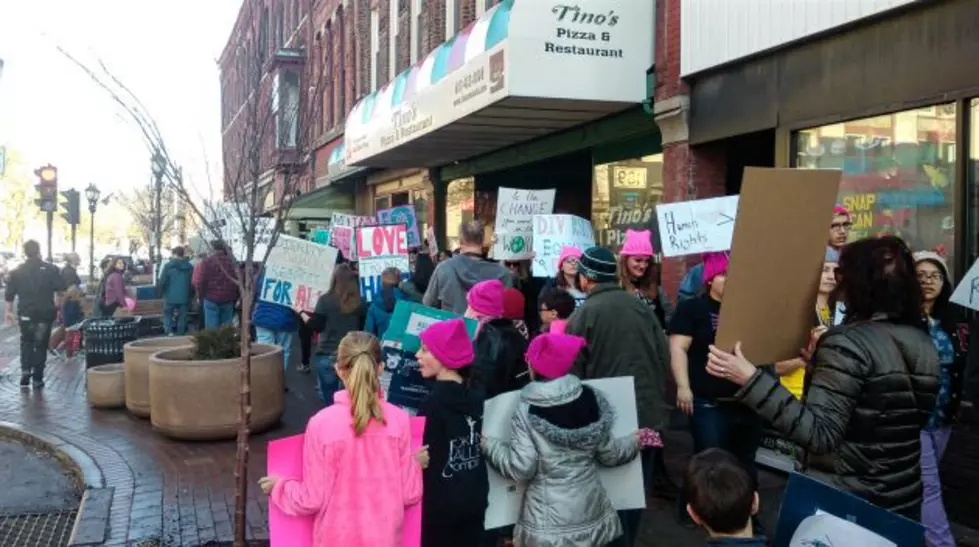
x: 295, y: 16
x: 263, y: 36
x: 280, y: 26
x: 341, y: 66
x: 898, y: 173
x: 972, y: 186
x: 416, y: 29
x: 326, y: 86
x: 285, y: 107
x: 375, y: 48
x: 451, y: 17
x: 624, y: 196
x: 460, y: 207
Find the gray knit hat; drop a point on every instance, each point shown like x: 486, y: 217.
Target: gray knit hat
x: 598, y: 264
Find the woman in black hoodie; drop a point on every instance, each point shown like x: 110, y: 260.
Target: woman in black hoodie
x: 455, y: 483
x: 499, y: 365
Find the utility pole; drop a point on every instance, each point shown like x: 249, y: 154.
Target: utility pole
x: 92, y: 194
x: 47, y: 190
x: 158, y: 164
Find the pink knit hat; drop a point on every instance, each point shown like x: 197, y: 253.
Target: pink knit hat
x: 552, y: 355
x: 568, y: 252
x: 558, y: 326
x: 715, y: 264
x: 486, y: 297
x: 449, y: 342
x: 514, y: 304
x: 839, y: 210
x: 637, y: 243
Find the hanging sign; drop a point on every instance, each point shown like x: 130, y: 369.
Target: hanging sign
x: 297, y: 272
x: 554, y: 232
x: 696, y: 227
x: 514, y: 229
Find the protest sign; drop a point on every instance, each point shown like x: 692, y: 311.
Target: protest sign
x: 806, y: 497
x: 410, y: 318
x: 285, y: 460
x: 402, y: 214
x: 624, y: 484
x: 407, y: 388
x: 514, y: 229
x: 342, y: 232
x: 379, y: 248
x: 696, y: 227
x: 967, y: 292
x: 551, y: 234
x: 297, y: 273
x: 433, y: 244
x: 233, y: 221
x: 782, y: 220
x: 320, y: 235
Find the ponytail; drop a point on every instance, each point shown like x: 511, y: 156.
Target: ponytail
x: 358, y: 355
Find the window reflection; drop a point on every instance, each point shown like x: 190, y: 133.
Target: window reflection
x: 459, y: 208
x: 624, y: 195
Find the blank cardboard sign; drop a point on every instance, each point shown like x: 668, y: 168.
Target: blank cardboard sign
x: 777, y: 253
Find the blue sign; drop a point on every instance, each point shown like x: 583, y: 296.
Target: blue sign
x: 408, y: 389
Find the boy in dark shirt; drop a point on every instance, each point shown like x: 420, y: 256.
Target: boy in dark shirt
x: 722, y: 498
x: 555, y: 305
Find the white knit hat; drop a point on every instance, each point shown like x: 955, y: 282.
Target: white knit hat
x: 937, y: 259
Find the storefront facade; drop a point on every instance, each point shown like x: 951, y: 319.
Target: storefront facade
x: 334, y: 190
x: 878, y: 91
x: 530, y: 95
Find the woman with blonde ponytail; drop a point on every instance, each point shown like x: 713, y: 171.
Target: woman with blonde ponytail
x: 360, y: 444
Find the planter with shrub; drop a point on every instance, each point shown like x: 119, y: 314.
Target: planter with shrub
x: 136, y: 356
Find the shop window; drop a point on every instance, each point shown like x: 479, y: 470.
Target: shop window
x: 400, y: 198
x: 898, y: 173
x: 624, y: 195
x: 460, y: 203
x: 972, y: 188
x: 382, y: 202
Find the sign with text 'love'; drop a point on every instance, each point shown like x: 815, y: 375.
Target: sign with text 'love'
x: 297, y: 272
x: 696, y: 227
x: 514, y: 229
x: 551, y: 234
x: 379, y: 248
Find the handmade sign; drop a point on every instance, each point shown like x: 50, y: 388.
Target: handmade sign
x: 297, y: 273
x: 514, y: 229
x: 402, y: 214
x: 285, y: 459
x: 407, y: 389
x: 551, y: 234
x: 320, y: 235
x: 695, y: 227
x: 379, y: 248
x: 234, y: 223
x: 967, y: 292
x: 410, y: 318
x: 623, y: 484
x: 342, y: 232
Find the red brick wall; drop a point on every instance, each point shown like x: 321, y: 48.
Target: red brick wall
x: 403, y: 55
x: 432, y: 26
x: 383, y: 51
x: 467, y: 13
x: 350, y: 79
x: 362, y: 41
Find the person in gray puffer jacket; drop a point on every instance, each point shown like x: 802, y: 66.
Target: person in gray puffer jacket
x: 560, y: 435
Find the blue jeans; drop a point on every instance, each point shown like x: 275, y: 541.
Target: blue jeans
x: 168, y: 311
x: 327, y: 381
x: 217, y: 315
x: 276, y: 338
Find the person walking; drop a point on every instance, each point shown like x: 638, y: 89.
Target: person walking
x: 214, y: 280
x: 176, y: 289
x: 114, y: 292
x: 34, y: 285
x: 454, y: 277
x: 70, y: 271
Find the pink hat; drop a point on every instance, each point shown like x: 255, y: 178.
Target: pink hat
x: 449, y: 342
x: 552, y: 355
x: 558, y: 326
x: 513, y: 304
x: 715, y: 264
x: 637, y: 243
x: 486, y: 297
x: 839, y: 210
x: 568, y: 252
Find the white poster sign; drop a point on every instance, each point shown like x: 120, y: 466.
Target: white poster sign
x: 694, y: 227
x: 343, y: 232
x: 553, y: 232
x: 624, y: 484
x: 232, y: 221
x: 967, y: 292
x: 514, y: 230
x: 379, y: 248
x: 297, y: 272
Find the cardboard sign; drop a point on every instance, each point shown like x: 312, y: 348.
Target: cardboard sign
x: 514, y: 229
x: 402, y: 214
x: 967, y: 292
x: 551, y: 233
x: 297, y: 272
x: 410, y: 318
x: 342, y: 233
x: 776, y: 260
x: 379, y: 248
x: 624, y: 484
x: 407, y: 389
x: 697, y: 227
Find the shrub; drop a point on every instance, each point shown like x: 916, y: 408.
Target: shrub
x: 220, y: 343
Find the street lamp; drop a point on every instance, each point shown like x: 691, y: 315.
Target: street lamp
x: 159, y: 166
x: 92, y: 194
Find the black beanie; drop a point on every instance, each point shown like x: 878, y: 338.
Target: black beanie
x: 598, y: 264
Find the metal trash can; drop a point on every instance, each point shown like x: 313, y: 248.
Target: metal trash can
x: 105, y: 338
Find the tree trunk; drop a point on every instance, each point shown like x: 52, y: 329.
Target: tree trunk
x: 244, y: 415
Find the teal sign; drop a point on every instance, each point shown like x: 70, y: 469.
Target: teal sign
x: 410, y: 318
x: 320, y: 235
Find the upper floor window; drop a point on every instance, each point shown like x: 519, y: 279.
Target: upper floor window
x: 285, y: 108
x: 263, y: 36
x: 375, y: 48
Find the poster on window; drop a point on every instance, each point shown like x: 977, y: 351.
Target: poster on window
x: 402, y: 214
x: 377, y: 249
x: 514, y: 228
x: 554, y: 232
x: 297, y: 273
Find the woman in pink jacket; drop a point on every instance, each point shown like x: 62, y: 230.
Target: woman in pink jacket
x: 359, y: 472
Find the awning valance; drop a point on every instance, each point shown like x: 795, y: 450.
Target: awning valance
x: 524, y: 69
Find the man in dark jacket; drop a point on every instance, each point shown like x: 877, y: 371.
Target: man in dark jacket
x: 34, y: 284
x: 215, y: 281
x: 176, y: 290
x: 70, y: 271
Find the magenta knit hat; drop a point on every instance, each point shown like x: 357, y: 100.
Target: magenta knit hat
x: 552, y: 355
x: 637, y: 243
x: 449, y: 342
x: 486, y: 297
x: 568, y: 252
x: 715, y: 264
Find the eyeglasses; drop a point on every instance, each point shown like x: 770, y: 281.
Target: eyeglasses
x: 512, y: 264
x: 841, y: 226
x: 571, y: 261
x: 929, y: 278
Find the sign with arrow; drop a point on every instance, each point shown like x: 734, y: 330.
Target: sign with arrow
x: 695, y: 227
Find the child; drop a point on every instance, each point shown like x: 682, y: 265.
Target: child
x: 721, y: 496
x: 359, y: 445
x: 456, y: 486
x: 555, y: 305
x: 561, y: 433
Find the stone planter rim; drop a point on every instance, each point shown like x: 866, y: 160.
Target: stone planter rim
x: 258, y: 350
x: 154, y: 343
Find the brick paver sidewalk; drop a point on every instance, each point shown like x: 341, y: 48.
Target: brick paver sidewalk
x: 177, y: 493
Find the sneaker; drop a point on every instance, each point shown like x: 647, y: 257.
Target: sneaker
x: 304, y: 368
x: 38, y: 384
x: 25, y: 381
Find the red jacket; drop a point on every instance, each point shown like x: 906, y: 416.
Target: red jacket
x: 214, y: 279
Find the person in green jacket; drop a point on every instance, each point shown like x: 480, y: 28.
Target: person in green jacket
x: 176, y: 291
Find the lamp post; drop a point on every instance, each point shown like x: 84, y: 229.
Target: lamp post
x: 158, y: 164
x: 92, y: 194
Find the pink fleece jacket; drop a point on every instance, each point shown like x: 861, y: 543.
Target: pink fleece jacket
x: 358, y: 487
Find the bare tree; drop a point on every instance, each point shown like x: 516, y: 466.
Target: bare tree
x: 271, y: 136
x: 141, y: 204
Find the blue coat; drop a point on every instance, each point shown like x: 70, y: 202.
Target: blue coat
x: 175, y: 281
x: 379, y: 312
x: 272, y: 316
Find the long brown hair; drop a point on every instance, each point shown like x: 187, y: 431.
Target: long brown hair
x: 358, y: 356
x: 648, y: 284
x: 346, y: 288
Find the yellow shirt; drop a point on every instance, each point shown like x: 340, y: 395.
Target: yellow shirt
x: 794, y: 381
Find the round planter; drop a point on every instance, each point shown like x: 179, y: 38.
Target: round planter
x: 137, y: 360
x: 198, y: 400
x: 105, y: 386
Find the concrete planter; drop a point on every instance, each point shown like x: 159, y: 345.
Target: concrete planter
x: 198, y: 400
x: 137, y: 365
x: 105, y: 386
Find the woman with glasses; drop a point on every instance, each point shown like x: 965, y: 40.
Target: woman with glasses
x: 839, y: 229
x: 567, y: 269
x: 950, y: 343
x: 639, y: 274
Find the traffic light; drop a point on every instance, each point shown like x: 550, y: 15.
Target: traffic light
x: 47, y: 188
x: 72, y: 214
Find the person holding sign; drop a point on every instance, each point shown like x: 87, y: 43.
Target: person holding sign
x: 639, y: 273
x: 873, y: 388
x: 360, y: 445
